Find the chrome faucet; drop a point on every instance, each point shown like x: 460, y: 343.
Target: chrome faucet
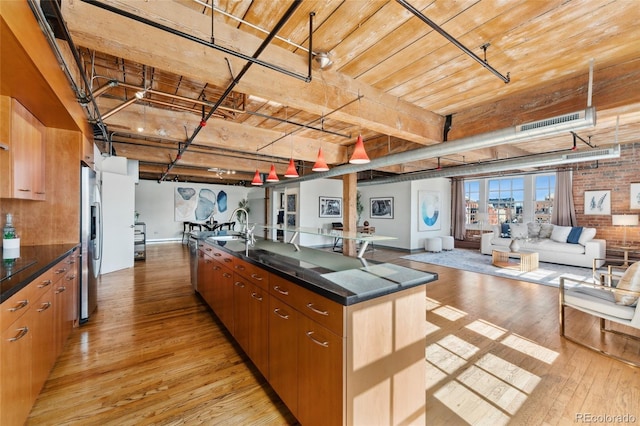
x: 249, y: 238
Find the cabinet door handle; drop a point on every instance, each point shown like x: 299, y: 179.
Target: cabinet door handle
x: 216, y: 268
x: 61, y: 271
x: 238, y: 284
x: 256, y: 277
x: 40, y: 193
x: 44, y: 307
x: 226, y: 259
x: 283, y: 316
x: 61, y: 289
x: 24, y: 190
x: 44, y: 283
x: 240, y: 267
x: 317, y: 311
x: 226, y: 275
x: 281, y: 291
x: 22, y: 331
x: 217, y: 254
x: 71, y: 277
x: 324, y: 344
x: 21, y: 304
x: 256, y: 296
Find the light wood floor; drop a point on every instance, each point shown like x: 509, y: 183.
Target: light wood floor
x: 153, y: 353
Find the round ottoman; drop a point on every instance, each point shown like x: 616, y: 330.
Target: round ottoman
x: 447, y: 242
x: 433, y: 244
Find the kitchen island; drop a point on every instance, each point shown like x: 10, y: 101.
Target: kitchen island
x: 340, y: 339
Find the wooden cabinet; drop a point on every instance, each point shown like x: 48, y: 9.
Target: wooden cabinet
x: 306, y: 358
x: 36, y: 323
x: 320, y: 373
x: 330, y: 364
x: 251, y: 321
x: 205, y: 274
x: 88, y: 154
x: 16, y: 358
x: 23, y: 164
x: 283, y: 357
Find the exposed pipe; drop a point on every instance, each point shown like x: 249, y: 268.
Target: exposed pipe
x: 485, y: 140
x: 251, y: 59
x: 235, y: 81
x: 540, y: 160
x: 46, y: 29
x: 449, y: 37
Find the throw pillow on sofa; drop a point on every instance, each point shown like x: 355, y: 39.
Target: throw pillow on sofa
x: 519, y: 231
x: 587, y: 235
x: 534, y: 229
x: 545, y: 230
x: 629, y: 281
x: 560, y: 233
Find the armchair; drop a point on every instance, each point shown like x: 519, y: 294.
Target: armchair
x: 609, y: 298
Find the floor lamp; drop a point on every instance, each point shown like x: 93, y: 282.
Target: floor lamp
x: 625, y: 220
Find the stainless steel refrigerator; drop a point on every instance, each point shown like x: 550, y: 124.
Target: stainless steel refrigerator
x: 91, y: 242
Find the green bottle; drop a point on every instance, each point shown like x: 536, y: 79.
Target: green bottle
x: 9, y: 232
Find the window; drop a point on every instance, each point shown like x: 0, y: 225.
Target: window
x: 544, y: 189
x: 472, y: 199
x: 506, y: 200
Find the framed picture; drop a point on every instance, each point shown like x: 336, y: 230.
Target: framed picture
x: 429, y: 209
x: 291, y: 203
x: 291, y: 220
x: 381, y: 208
x: 597, y: 202
x: 330, y: 207
x: 634, y: 196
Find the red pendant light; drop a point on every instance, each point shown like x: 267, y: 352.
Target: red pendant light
x: 291, y: 170
x: 273, y: 176
x: 320, y: 165
x: 359, y: 155
x: 257, y: 180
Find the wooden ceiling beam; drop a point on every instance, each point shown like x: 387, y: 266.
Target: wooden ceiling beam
x: 178, y: 125
x: 101, y: 30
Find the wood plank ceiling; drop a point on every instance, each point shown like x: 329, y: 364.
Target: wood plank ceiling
x: 393, y: 79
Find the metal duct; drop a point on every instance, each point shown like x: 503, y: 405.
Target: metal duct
x: 541, y: 160
x: 565, y: 123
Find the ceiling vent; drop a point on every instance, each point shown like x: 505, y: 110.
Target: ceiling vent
x: 594, y: 154
x: 568, y: 121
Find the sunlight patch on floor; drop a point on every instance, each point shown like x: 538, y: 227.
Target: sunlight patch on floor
x: 471, y: 407
x: 530, y: 348
x: 449, y: 312
x: 486, y: 329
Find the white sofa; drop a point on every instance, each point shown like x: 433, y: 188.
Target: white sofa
x: 550, y: 241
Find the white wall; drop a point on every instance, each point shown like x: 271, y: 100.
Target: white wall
x: 155, y: 204
x: 443, y: 186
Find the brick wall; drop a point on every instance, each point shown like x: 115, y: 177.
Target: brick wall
x: 615, y: 176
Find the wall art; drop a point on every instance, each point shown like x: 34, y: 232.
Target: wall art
x: 429, y: 210
x: 597, y: 202
x: 381, y: 208
x: 634, y: 196
x: 330, y: 207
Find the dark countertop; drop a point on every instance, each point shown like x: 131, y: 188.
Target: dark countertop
x: 343, y: 279
x: 33, y: 261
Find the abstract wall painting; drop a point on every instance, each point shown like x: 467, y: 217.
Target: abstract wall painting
x: 191, y: 205
x: 429, y: 210
x: 634, y: 196
x: 597, y: 202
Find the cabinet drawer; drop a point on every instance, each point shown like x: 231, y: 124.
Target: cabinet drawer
x: 320, y: 309
x: 17, y: 305
x: 252, y: 273
x: 222, y: 256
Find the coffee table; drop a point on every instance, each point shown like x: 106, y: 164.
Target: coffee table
x: 525, y: 261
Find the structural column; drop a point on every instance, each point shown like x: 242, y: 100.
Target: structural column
x: 349, y: 214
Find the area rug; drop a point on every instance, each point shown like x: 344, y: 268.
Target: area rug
x: 473, y: 261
